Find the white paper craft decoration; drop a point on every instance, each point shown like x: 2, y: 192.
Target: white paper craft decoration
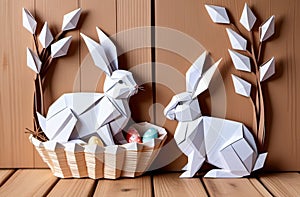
x: 28, y: 21
x: 61, y: 47
x: 267, y: 29
x: 33, y: 61
x: 240, y: 62
x: 267, y: 69
x: 82, y: 115
x: 71, y: 19
x: 236, y: 40
x: 241, y: 86
x: 217, y: 14
x: 226, y: 144
x: 45, y: 36
x: 248, y: 18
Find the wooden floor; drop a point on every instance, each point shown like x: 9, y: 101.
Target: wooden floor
x: 40, y: 182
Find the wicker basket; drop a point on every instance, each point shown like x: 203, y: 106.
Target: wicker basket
x: 110, y: 162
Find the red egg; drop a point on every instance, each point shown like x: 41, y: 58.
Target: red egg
x: 133, y: 136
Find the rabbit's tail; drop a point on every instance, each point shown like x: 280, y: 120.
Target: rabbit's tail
x: 260, y: 161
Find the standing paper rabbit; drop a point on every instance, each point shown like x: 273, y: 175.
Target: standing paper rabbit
x: 81, y: 115
x: 226, y: 144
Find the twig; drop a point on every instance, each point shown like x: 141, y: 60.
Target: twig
x: 36, y: 45
x: 259, y: 52
x: 41, y: 94
x: 235, y: 28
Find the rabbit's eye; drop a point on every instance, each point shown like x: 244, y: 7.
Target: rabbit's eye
x: 120, y: 81
x: 180, y: 103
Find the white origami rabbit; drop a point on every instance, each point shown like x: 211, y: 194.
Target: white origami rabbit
x: 226, y: 144
x: 81, y: 115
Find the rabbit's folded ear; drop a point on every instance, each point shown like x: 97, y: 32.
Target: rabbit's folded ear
x: 109, y: 48
x: 194, y: 73
x: 98, y: 54
x: 205, y: 79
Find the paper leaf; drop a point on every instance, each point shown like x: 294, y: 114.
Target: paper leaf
x: 28, y: 21
x: 195, y: 72
x: 45, y: 36
x: 60, y: 48
x: 267, y: 69
x: 241, y: 86
x: 248, y: 18
x: 236, y: 40
x: 240, y: 62
x: 205, y: 79
x: 71, y: 19
x: 217, y: 14
x: 98, y: 54
x: 33, y: 61
x: 109, y: 48
x: 267, y: 29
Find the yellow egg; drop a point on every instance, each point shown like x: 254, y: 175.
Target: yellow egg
x: 95, y: 140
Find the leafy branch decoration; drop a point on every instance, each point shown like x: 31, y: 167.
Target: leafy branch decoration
x: 40, y: 60
x: 241, y: 62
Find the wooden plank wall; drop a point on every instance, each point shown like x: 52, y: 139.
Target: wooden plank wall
x: 281, y: 92
x: 76, y: 72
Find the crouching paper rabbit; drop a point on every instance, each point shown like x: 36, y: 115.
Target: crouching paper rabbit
x: 82, y: 115
x: 226, y: 144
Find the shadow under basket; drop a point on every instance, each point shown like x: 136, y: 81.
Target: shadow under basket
x: 110, y: 162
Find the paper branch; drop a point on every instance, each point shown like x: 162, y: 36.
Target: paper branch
x: 248, y: 18
x: 241, y: 86
x: 28, y: 21
x: 240, y: 62
x: 217, y: 14
x: 70, y: 20
x: 267, y: 69
x: 33, y: 61
x: 267, y: 29
x: 236, y: 40
x: 61, y: 47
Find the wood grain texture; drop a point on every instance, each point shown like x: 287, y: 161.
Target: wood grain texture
x: 73, y: 187
x: 280, y: 92
x: 4, y: 175
x: 231, y: 187
x: 140, y: 186
x: 132, y: 41
x: 16, y: 86
x: 282, y: 184
x: 259, y: 187
x: 172, y: 185
x: 61, y: 76
x: 28, y: 183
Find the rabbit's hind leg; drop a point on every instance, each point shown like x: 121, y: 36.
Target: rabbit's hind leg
x: 195, y: 161
x: 233, y: 166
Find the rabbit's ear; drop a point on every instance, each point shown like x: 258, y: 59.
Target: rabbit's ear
x: 109, y: 48
x: 205, y: 79
x: 194, y: 73
x: 98, y: 54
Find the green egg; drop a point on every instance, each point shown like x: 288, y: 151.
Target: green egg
x: 150, y: 134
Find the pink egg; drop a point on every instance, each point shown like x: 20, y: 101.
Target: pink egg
x: 133, y: 136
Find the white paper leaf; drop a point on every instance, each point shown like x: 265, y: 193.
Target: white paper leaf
x: 45, y: 36
x: 217, y: 14
x: 71, y: 19
x: 28, y: 21
x: 109, y: 48
x: 248, y: 18
x: 267, y: 29
x: 267, y: 69
x: 98, y: 54
x: 61, y: 47
x: 236, y: 40
x: 241, y: 86
x: 33, y: 61
x: 240, y: 62
x: 205, y: 79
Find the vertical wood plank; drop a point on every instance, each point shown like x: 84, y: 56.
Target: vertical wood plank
x: 73, y: 187
x: 61, y: 76
x: 16, y: 86
x: 140, y: 186
x: 28, y: 183
x: 4, y: 175
x: 260, y: 187
x: 133, y: 14
x: 231, y: 187
x: 172, y: 185
x: 282, y: 184
x: 100, y: 13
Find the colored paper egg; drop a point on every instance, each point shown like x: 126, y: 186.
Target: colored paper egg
x: 133, y: 136
x: 150, y: 134
x: 95, y: 140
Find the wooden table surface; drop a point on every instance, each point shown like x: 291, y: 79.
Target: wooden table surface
x: 40, y: 182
